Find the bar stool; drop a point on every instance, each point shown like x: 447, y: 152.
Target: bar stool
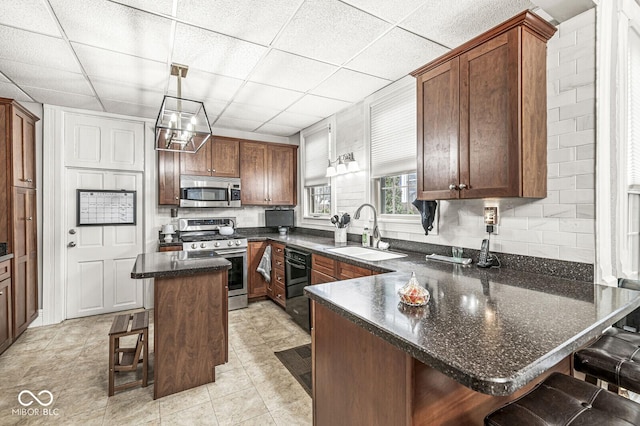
x: 562, y: 400
x: 615, y: 356
x: 127, y: 359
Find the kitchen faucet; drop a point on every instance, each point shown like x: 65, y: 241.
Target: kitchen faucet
x: 376, y: 231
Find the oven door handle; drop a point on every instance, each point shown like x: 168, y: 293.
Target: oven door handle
x: 225, y: 252
x: 228, y: 194
x: 294, y: 265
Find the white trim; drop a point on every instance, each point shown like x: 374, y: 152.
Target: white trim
x: 605, y: 174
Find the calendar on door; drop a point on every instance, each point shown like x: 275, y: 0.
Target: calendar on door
x: 106, y: 207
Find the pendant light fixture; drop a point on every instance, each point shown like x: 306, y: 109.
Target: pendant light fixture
x: 182, y: 124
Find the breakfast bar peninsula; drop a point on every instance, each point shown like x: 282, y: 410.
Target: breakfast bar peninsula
x: 484, y: 338
x: 190, y: 317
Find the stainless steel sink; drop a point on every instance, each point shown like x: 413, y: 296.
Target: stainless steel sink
x: 366, y: 253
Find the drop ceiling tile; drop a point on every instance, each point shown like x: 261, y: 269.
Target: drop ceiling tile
x: 290, y: 71
x: 213, y: 108
x: 115, y: 27
x: 266, y: 96
x: 215, y: 53
x: 384, y: 59
x: 36, y: 49
x: 11, y: 91
x: 392, y: 11
x: 123, y: 68
x: 238, y: 124
x: 72, y: 100
x: 349, y: 86
x: 46, y: 78
x: 291, y: 119
x: 122, y: 92
x: 317, y: 106
x: 32, y: 15
x: 251, y: 112
x: 158, y: 6
x: 199, y: 85
x: 133, y: 110
x: 330, y: 31
x: 255, y: 21
x: 278, y: 130
x: 453, y: 23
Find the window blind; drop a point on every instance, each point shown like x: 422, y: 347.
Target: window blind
x: 633, y: 112
x: 393, y: 134
x: 316, y: 156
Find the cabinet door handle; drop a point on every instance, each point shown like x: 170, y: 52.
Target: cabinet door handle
x: 463, y: 186
x: 1, y: 293
x: 452, y: 187
x: 213, y: 170
x: 30, y: 218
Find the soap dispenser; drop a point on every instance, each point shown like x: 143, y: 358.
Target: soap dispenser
x: 365, y: 237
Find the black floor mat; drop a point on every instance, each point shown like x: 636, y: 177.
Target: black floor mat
x: 298, y: 362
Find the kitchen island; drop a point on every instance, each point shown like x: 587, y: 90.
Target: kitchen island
x: 484, y: 338
x: 190, y: 317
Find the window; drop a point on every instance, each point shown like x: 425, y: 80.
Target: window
x: 630, y: 264
x: 397, y: 193
x: 317, y: 187
x: 319, y: 200
x: 394, y: 151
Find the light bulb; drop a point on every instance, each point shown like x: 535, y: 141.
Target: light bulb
x: 174, y: 118
x: 193, y: 120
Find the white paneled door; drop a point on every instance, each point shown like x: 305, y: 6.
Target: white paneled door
x: 100, y: 258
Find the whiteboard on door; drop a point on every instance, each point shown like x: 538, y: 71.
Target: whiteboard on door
x: 96, y: 207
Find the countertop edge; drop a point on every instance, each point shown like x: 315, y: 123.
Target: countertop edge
x: 6, y: 257
x: 496, y: 386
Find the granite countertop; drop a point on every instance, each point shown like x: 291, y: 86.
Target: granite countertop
x: 6, y: 257
x: 493, y: 330
x: 177, y: 263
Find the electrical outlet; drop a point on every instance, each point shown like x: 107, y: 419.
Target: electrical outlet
x: 494, y: 231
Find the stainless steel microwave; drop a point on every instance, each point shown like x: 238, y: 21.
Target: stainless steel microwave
x: 203, y: 191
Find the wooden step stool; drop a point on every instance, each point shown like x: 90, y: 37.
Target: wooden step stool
x: 127, y: 359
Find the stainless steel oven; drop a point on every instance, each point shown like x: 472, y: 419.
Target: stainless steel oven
x: 200, y: 238
x: 203, y: 191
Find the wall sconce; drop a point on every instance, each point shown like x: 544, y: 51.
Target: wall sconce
x: 346, y: 164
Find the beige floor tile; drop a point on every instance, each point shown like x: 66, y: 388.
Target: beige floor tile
x: 238, y: 407
x: 71, y: 361
x: 229, y: 382
x: 201, y: 414
x: 296, y: 414
x: 262, y: 420
x: 183, y: 400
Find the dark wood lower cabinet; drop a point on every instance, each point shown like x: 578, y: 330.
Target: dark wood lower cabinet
x: 360, y: 379
x: 6, y: 317
x: 190, y: 330
x: 256, y: 284
x: 25, y: 261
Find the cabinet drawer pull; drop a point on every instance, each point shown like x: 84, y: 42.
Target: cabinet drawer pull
x: 177, y: 198
x: 452, y: 187
x: 463, y: 186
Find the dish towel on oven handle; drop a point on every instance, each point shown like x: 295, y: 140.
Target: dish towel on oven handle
x: 264, y: 267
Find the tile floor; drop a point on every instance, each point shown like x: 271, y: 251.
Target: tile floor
x: 71, y: 361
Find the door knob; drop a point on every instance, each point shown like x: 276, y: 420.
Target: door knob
x: 463, y: 186
x: 72, y: 231
x: 452, y: 187
x: 71, y: 244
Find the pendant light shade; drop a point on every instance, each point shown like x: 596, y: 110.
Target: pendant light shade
x: 182, y: 124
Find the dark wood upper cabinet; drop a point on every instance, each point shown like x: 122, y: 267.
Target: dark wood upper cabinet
x: 168, y: 178
x: 219, y: 157
x: 482, y: 115
x: 268, y: 172
x: 24, y: 148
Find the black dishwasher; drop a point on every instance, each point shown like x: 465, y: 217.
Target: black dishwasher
x: 297, y: 277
